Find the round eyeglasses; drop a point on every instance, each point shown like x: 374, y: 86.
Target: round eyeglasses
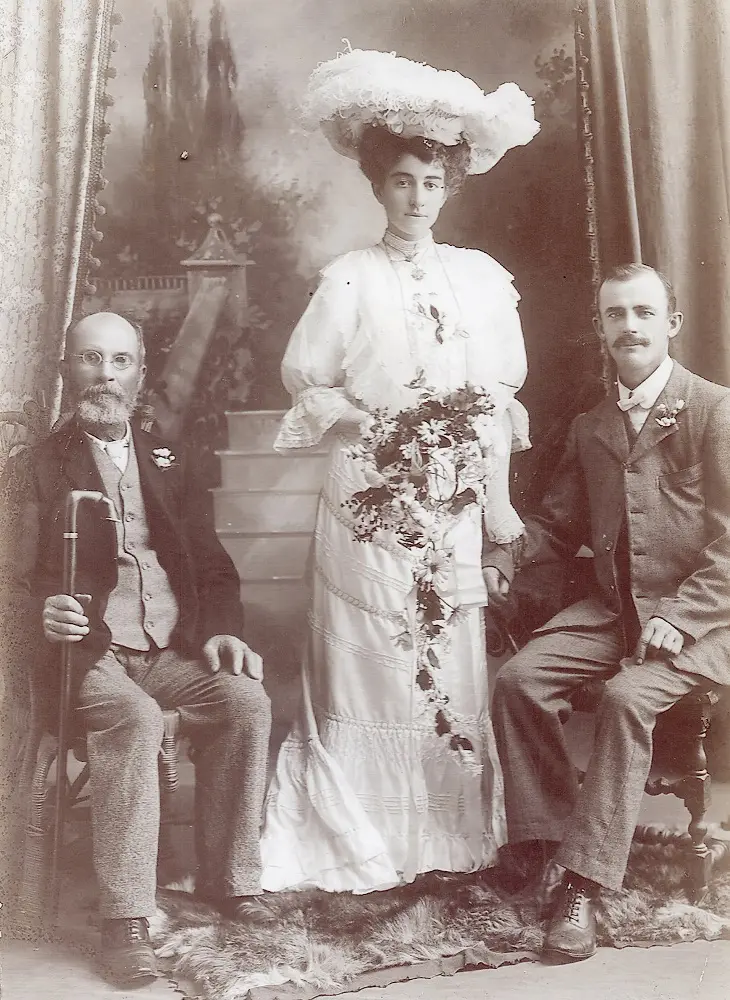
x: 95, y: 358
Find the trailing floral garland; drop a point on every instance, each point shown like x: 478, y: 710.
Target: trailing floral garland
x: 423, y: 467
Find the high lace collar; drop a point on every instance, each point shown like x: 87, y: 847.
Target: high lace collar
x: 409, y: 248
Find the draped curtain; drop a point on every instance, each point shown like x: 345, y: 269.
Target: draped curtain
x: 53, y: 64
x: 658, y: 96
x: 53, y: 56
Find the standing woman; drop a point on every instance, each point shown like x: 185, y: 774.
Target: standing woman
x: 366, y: 795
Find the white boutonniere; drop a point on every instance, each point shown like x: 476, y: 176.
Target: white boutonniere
x: 163, y: 458
x: 666, y: 417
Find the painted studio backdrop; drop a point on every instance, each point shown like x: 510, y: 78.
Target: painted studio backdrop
x: 206, y: 166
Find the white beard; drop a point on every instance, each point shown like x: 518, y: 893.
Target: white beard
x: 104, y: 409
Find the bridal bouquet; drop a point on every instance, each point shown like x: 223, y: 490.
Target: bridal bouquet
x: 423, y: 467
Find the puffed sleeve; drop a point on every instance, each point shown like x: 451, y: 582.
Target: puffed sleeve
x: 512, y: 361
x: 512, y: 358
x: 505, y: 359
x: 312, y: 368
x: 503, y: 344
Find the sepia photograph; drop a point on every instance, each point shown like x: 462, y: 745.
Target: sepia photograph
x: 365, y: 499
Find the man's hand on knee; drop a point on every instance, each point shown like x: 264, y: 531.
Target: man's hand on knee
x: 64, y: 618
x: 231, y: 652
x: 659, y: 640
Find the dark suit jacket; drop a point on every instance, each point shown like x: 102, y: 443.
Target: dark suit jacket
x: 33, y: 494
x: 673, y: 488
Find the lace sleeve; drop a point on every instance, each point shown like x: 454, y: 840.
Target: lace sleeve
x: 312, y: 369
x: 502, y: 523
x: 513, y: 370
x: 519, y: 425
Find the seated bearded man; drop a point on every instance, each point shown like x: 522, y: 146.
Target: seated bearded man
x: 157, y: 624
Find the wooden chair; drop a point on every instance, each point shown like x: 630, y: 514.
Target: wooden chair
x: 33, y: 896
x: 683, y: 728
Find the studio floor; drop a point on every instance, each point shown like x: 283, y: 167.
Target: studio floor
x: 698, y: 971
x: 701, y: 970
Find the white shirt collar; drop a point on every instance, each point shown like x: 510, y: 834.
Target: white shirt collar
x: 648, y: 391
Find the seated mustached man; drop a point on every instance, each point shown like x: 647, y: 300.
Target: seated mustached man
x: 158, y: 624
x: 645, y: 483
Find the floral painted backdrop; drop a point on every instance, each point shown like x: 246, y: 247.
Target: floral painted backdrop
x: 205, y: 121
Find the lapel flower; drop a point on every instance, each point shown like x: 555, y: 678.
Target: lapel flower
x: 163, y: 458
x: 666, y: 417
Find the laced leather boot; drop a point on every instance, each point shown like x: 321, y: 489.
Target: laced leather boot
x: 126, y: 951
x: 571, y: 933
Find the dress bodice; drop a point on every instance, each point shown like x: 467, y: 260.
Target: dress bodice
x: 377, y: 320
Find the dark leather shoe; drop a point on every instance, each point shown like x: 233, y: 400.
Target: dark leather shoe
x: 126, y: 952
x: 571, y: 933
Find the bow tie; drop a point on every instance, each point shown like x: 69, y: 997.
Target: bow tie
x: 635, y: 399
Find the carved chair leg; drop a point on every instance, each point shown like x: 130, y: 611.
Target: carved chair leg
x: 699, y: 860
x: 695, y: 790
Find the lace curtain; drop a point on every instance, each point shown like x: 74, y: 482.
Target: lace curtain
x: 53, y: 60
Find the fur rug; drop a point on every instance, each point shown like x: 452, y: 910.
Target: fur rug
x: 325, y: 943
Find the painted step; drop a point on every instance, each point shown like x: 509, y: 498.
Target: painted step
x: 264, y: 512
x: 263, y: 557
x: 241, y: 470
x: 276, y: 627
x: 276, y: 604
x: 253, y: 430
x: 256, y: 430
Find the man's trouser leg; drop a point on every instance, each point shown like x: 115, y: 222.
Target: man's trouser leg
x: 228, y: 720
x: 531, y: 696
x: 123, y: 736
x: 598, y: 836
x: 543, y: 801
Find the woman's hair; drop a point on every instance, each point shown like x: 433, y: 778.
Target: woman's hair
x: 380, y: 149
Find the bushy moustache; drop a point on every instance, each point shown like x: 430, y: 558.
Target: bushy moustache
x: 96, y: 393
x: 629, y: 340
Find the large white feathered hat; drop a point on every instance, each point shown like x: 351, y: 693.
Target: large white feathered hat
x: 363, y: 87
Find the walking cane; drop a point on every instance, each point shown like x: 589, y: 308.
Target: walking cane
x: 70, y: 535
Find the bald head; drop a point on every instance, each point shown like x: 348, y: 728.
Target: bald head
x: 104, y: 326
x: 103, y: 369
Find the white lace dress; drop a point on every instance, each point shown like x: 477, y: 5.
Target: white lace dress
x: 365, y: 794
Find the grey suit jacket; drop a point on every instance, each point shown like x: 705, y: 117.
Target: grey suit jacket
x: 673, y: 488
